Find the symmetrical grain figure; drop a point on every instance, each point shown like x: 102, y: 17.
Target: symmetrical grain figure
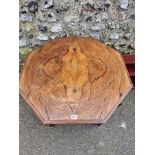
x: 74, y: 72
x: 79, y: 77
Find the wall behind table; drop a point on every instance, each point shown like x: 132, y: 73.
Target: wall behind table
x: 112, y: 21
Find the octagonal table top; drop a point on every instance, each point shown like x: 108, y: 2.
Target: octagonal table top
x: 74, y: 80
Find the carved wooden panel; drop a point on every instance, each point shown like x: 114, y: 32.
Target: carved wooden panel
x: 74, y: 80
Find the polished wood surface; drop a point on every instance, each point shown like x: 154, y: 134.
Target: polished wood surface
x: 74, y: 80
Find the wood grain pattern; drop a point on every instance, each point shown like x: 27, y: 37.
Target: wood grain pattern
x: 74, y: 80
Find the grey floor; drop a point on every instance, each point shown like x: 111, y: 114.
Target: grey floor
x: 116, y: 137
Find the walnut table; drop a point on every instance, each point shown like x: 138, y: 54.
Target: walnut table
x: 74, y: 81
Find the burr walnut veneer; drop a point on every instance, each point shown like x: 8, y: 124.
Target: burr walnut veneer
x: 74, y: 80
